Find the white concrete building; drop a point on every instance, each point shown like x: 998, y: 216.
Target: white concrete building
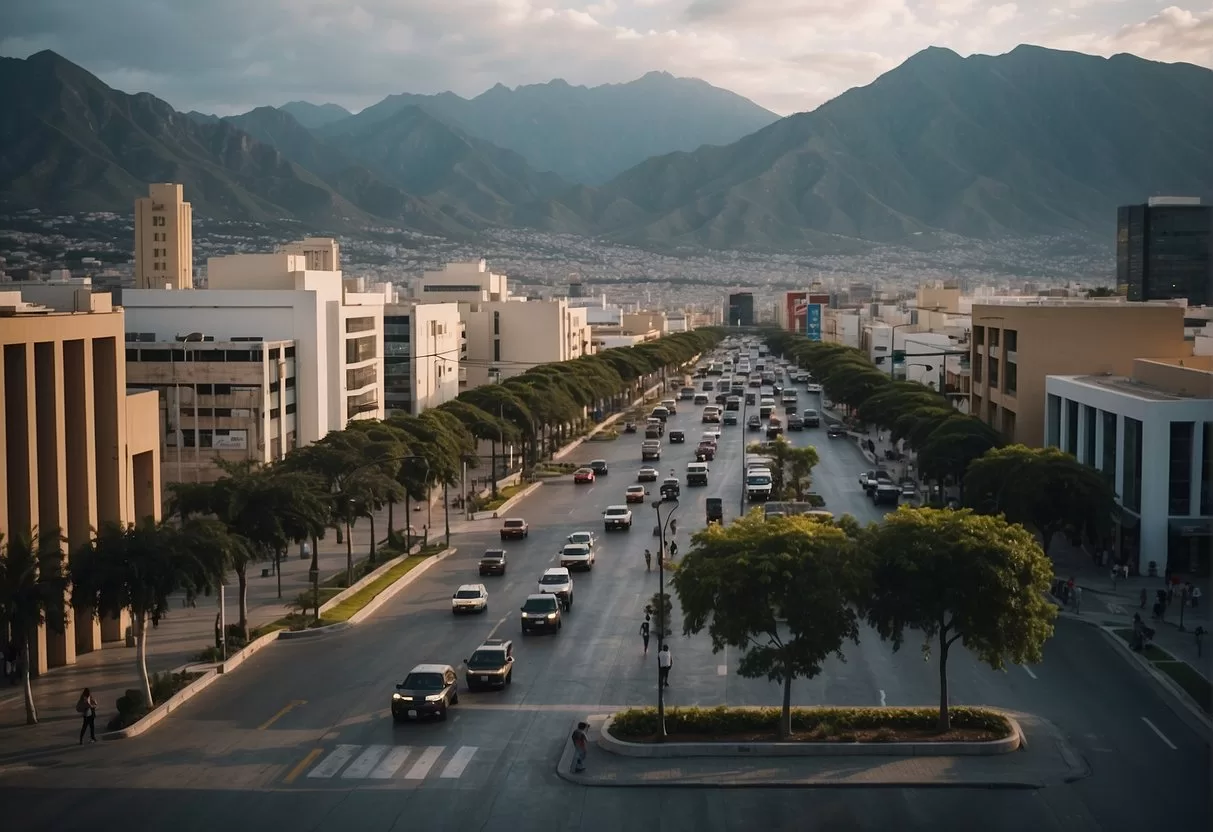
x: 507, y: 338
x: 336, y: 324
x: 422, y: 345
x: 462, y: 282
x: 1152, y: 435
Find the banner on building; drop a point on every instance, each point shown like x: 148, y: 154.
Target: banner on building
x: 796, y: 306
x: 812, y: 329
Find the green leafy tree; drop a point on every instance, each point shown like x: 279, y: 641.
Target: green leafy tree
x: 1045, y: 489
x: 959, y: 576
x: 952, y: 446
x: 272, y: 508
x: 33, y: 593
x: 137, y: 567
x: 782, y: 589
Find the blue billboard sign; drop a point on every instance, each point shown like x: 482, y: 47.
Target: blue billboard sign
x: 812, y: 328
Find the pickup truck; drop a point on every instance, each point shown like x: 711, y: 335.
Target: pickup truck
x: 617, y: 517
x: 650, y: 449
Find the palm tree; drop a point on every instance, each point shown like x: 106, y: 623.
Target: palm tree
x: 270, y: 509
x: 33, y: 592
x: 136, y: 567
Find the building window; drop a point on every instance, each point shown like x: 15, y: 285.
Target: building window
x: 994, y: 336
x: 359, y: 324
x: 1053, y: 423
x: 1012, y: 336
x: 1010, y: 383
x: 1109, y: 447
x: 359, y: 349
x: 1090, y: 418
x: 1206, y: 472
x: 358, y: 378
x: 978, y: 364
x: 993, y: 369
x: 1008, y: 424
x: 1071, y: 427
x: 290, y: 352
x: 290, y: 408
x: 496, y: 350
x: 1179, y: 487
x: 1131, y: 489
x: 159, y: 221
x: 979, y: 335
x: 496, y: 323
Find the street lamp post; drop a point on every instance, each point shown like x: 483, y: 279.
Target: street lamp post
x: 893, y: 348
x: 744, y: 427
x: 660, y: 612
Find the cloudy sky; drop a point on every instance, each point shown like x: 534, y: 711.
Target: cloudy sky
x: 227, y: 56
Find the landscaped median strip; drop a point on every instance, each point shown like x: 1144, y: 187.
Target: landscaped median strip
x: 1186, y: 677
x: 363, y: 599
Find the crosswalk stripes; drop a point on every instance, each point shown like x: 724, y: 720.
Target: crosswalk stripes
x: 385, y: 762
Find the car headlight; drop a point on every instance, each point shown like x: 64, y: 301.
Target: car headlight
x: 434, y: 697
x: 551, y: 616
x: 396, y: 697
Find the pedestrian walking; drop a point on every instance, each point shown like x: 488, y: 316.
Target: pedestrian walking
x: 86, y: 706
x: 648, y: 561
x: 664, y: 662
x: 1143, y: 597
x: 1077, y: 599
x: 644, y: 634
x: 1195, y: 596
x: 580, y: 746
x: 1115, y: 576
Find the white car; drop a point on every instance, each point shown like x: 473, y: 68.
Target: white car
x: 814, y: 388
x: 714, y: 435
x: 588, y: 538
x: 617, y: 517
x: 577, y: 556
x: 557, y: 581
x: 470, y: 598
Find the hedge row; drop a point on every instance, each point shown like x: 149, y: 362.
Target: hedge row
x: 722, y: 721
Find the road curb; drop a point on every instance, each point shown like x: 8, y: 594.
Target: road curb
x: 603, y: 425
x: 397, y: 586
x: 666, y: 750
x: 362, y: 582
x: 493, y: 514
x: 312, y: 632
x: 161, y: 711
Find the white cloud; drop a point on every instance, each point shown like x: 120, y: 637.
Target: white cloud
x: 230, y: 55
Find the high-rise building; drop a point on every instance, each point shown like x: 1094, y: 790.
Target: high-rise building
x: 576, y: 288
x: 164, y: 239
x: 76, y: 449
x: 740, y: 309
x: 1164, y: 250
x: 422, y: 347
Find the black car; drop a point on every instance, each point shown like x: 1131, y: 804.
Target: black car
x: 428, y: 691
x: 671, y: 489
x: 599, y: 467
x: 492, y: 562
x: 754, y: 423
x: 715, y: 510
x: 795, y: 422
x: 836, y: 431
x: 541, y: 612
x: 677, y: 437
x: 812, y: 419
x: 492, y: 665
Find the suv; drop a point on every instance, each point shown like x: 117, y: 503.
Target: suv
x: 491, y: 665
x: 541, y: 612
x: 492, y: 562
x: 599, y: 467
x: 795, y: 422
x: 578, y: 555
x: 812, y: 419
x: 697, y: 473
x: 428, y: 690
x: 557, y: 581
x: 753, y: 423
x: 617, y: 517
x: 677, y: 437
x: 470, y: 598
x: 514, y: 527
x: 730, y: 417
x: 650, y: 449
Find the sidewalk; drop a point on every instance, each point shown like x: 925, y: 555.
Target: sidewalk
x: 182, y: 634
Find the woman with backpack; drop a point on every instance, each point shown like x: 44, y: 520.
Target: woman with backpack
x: 86, y: 706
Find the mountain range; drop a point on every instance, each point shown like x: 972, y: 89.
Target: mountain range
x: 1032, y: 142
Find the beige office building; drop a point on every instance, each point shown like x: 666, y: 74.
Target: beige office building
x: 1016, y: 344
x: 76, y: 450
x: 164, y: 239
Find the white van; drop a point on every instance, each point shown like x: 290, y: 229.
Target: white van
x: 758, y: 484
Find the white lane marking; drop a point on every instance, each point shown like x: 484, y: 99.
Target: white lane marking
x: 332, y: 764
x: 497, y: 627
x: 1028, y: 670
x: 366, y: 761
x: 459, y: 762
x: 395, y: 758
x: 882, y: 699
x: 424, y: 763
x: 722, y: 670
x: 1161, y: 735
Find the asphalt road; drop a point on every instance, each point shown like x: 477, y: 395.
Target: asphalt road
x: 300, y: 738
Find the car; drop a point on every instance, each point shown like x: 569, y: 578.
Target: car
x: 541, y: 612
x: 660, y: 412
x: 635, y: 494
x: 700, y: 399
x: 795, y: 422
x: 697, y: 473
x: 753, y: 423
x: 869, y: 480
x: 577, y: 556
x: 650, y: 449
x: 677, y: 437
x: 812, y: 419
x: 492, y: 562
x: 515, y: 527
x: 583, y: 475
x: 836, y: 431
x: 557, y: 581
x: 885, y: 494
x: 671, y: 406
x: 617, y: 517
x: 813, y: 388
x: 429, y: 690
x: 470, y: 598
x: 713, y: 434
x: 671, y: 488
x: 730, y: 417
x: 909, y: 491
x: 722, y: 398
x: 599, y: 467
x: 647, y: 474
x: 706, y: 452
x: 587, y: 538
x: 491, y: 665
x: 686, y: 393
x: 774, y: 428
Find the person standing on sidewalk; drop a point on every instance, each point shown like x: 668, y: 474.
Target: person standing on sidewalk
x: 86, y: 706
x: 1077, y: 599
x: 580, y: 746
x: 664, y: 662
x: 644, y: 634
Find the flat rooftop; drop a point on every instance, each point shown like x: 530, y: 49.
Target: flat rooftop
x: 1131, y: 387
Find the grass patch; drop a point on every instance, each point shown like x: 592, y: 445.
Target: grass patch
x: 811, y: 725
x: 1187, y: 677
x: 1151, y: 652
x: 132, y: 705
x: 343, y: 611
x: 504, y: 494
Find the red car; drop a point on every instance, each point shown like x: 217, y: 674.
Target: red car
x: 706, y: 452
x: 583, y: 475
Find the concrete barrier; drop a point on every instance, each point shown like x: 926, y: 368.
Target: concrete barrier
x: 360, y: 583
x: 501, y: 510
x: 396, y: 587
x: 158, y: 713
x: 614, y: 745
x: 252, y: 648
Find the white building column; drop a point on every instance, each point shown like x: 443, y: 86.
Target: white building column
x: 1155, y: 475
